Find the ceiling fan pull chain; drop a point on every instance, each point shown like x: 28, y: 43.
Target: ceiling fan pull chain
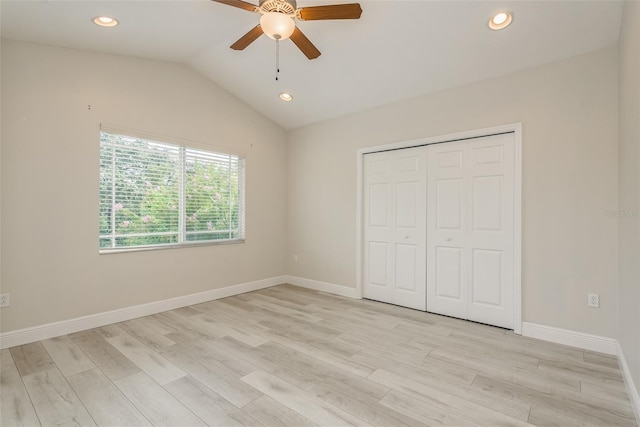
x: 277, y: 58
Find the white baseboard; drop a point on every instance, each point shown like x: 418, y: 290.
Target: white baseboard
x: 56, y: 329
x: 323, y: 287
x: 572, y: 338
x: 632, y: 390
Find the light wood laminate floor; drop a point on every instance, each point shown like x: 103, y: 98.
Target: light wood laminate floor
x: 287, y: 356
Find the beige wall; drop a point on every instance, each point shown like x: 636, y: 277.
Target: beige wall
x: 50, y: 141
x: 570, y: 122
x: 629, y: 191
x: 1, y: 288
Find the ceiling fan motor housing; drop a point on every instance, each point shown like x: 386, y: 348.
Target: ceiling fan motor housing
x: 278, y: 21
x: 283, y: 6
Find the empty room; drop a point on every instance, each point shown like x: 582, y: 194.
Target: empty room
x: 320, y: 213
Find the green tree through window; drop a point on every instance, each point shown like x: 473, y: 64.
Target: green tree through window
x: 154, y: 193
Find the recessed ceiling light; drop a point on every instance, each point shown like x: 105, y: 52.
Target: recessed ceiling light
x: 105, y: 21
x: 286, y: 97
x: 500, y: 20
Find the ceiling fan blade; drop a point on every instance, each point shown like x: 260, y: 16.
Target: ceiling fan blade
x: 304, y: 44
x: 248, y: 38
x: 335, y: 11
x: 238, y: 3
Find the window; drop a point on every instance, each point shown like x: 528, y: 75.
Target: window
x: 154, y: 194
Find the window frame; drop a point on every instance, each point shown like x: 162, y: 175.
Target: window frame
x: 182, y: 146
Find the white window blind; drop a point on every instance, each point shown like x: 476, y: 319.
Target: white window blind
x: 158, y: 194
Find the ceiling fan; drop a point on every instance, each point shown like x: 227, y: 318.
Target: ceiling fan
x: 277, y: 21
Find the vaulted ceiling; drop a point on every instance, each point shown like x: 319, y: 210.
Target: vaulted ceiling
x: 397, y: 50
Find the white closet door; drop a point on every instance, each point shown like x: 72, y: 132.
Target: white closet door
x: 395, y: 227
x: 446, y: 230
x: 470, y: 229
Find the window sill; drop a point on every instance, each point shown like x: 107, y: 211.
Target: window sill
x: 109, y: 251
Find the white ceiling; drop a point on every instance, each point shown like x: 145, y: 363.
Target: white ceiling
x: 397, y: 50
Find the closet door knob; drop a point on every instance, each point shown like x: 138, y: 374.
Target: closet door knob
x: 449, y: 239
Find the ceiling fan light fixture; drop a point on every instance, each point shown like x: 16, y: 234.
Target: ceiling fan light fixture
x: 500, y: 21
x: 277, y: 25
x: 105, y: 21
x: 286, y: 97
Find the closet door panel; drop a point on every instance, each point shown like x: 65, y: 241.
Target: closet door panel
x: 470, y: 229
x: 446, y: 229
x: 395, y: 227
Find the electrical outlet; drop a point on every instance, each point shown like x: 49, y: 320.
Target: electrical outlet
x: 5, y: 300
x: 593, y: 300
x: 295, y: 258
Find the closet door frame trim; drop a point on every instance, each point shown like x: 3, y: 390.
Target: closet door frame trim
x: 516, y: 129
